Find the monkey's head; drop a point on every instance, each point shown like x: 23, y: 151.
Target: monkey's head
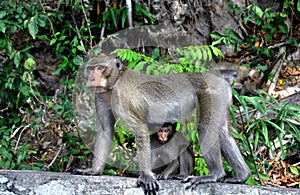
x: 229, y: 75
x: 102, y: 73
x: 164, y: 133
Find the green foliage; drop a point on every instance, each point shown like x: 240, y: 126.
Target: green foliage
x: 192, y: 59
x: 268, y: 20
x: 65, y: 31
x: 62, y: 44
x: 141, y: 14
x: 268, y: 26
x: 294, y: 170
x: 124, y: 157
x: 200, y: 166
x: 262, y: 127
x: 112, y: 15
x: 229, y: 38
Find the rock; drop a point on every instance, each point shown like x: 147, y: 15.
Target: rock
x: 44, y: 183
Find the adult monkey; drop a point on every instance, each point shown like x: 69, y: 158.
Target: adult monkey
x: 141, y: 100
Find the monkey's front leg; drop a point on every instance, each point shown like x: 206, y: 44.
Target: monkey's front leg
x: 103, y: 145
x: 147, y: 178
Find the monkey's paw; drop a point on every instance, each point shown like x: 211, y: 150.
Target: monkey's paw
x: 194, y: 181
x: 148, y: 183
x: 164, y: 176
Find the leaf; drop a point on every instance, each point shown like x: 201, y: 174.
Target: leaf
x: 2, y: 14
x: 264, y: 131
x: 144, y: 12
x: 295, y: 132
x: 121, y: 137
x: 53, y: 41
x: 258, y: 21
x: 25, y: 90
x: 256, y: 140
x: 32, y: 27
x: 41, y: 22
x: 132, y: 63
x: 149, y: 69
x: 283, y: 28
x: 75, y: 41
x: 204, y: 53
x: 275, y: 125
x: 29, y: 64
x: 179, y: 51
x: 187, y: 54
x: 43, y: 38
x: 124, y: 17
x: 63, y: 37
x: 246, y: 19
x: 298, y: 5
x: 268, y: 52
x: 198, y: 54
x: 113, y: 17
x: 155, y: 53
x: 255, y: 102
x: 217, y: 42
x: 233, y: 35
x: 258, y: 11
x: 216, y: 51
x: 294, y: 170
x: 17, y: 58
x: 80, y: 48
x: 42, y: 19
x: 129, y: 56
x: 123, y: 55
x: 208, y: 52
x: 195, y: 58
x: 78, y: 60
x: 2, y: 26
x: 155, y: 72
x: 139, y: 66
x: 264, y: 177
x: 216, y: 35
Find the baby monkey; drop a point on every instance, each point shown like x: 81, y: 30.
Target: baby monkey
x: 163, y: 134
x: 170, y: 153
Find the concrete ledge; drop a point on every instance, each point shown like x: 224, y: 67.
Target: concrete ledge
x: 44, y: 183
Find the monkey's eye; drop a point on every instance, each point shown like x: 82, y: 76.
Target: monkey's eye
x: 119, y: 65
x: 99, y: 67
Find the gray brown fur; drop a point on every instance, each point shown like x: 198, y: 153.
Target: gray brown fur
x: 140, y: 100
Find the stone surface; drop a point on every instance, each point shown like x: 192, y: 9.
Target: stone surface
x: 44, y: 183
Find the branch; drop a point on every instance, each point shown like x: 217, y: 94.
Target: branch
x: 129, y: 13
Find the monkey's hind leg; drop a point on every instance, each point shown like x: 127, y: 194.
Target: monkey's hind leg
x: 233, y: 156
x: 212, y: 114
x: 169, y: 171
x: 214, y: 163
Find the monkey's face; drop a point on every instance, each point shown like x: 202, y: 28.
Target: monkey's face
x: 102, y: 73
x: 163, y: 134
x: 97, y: 82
